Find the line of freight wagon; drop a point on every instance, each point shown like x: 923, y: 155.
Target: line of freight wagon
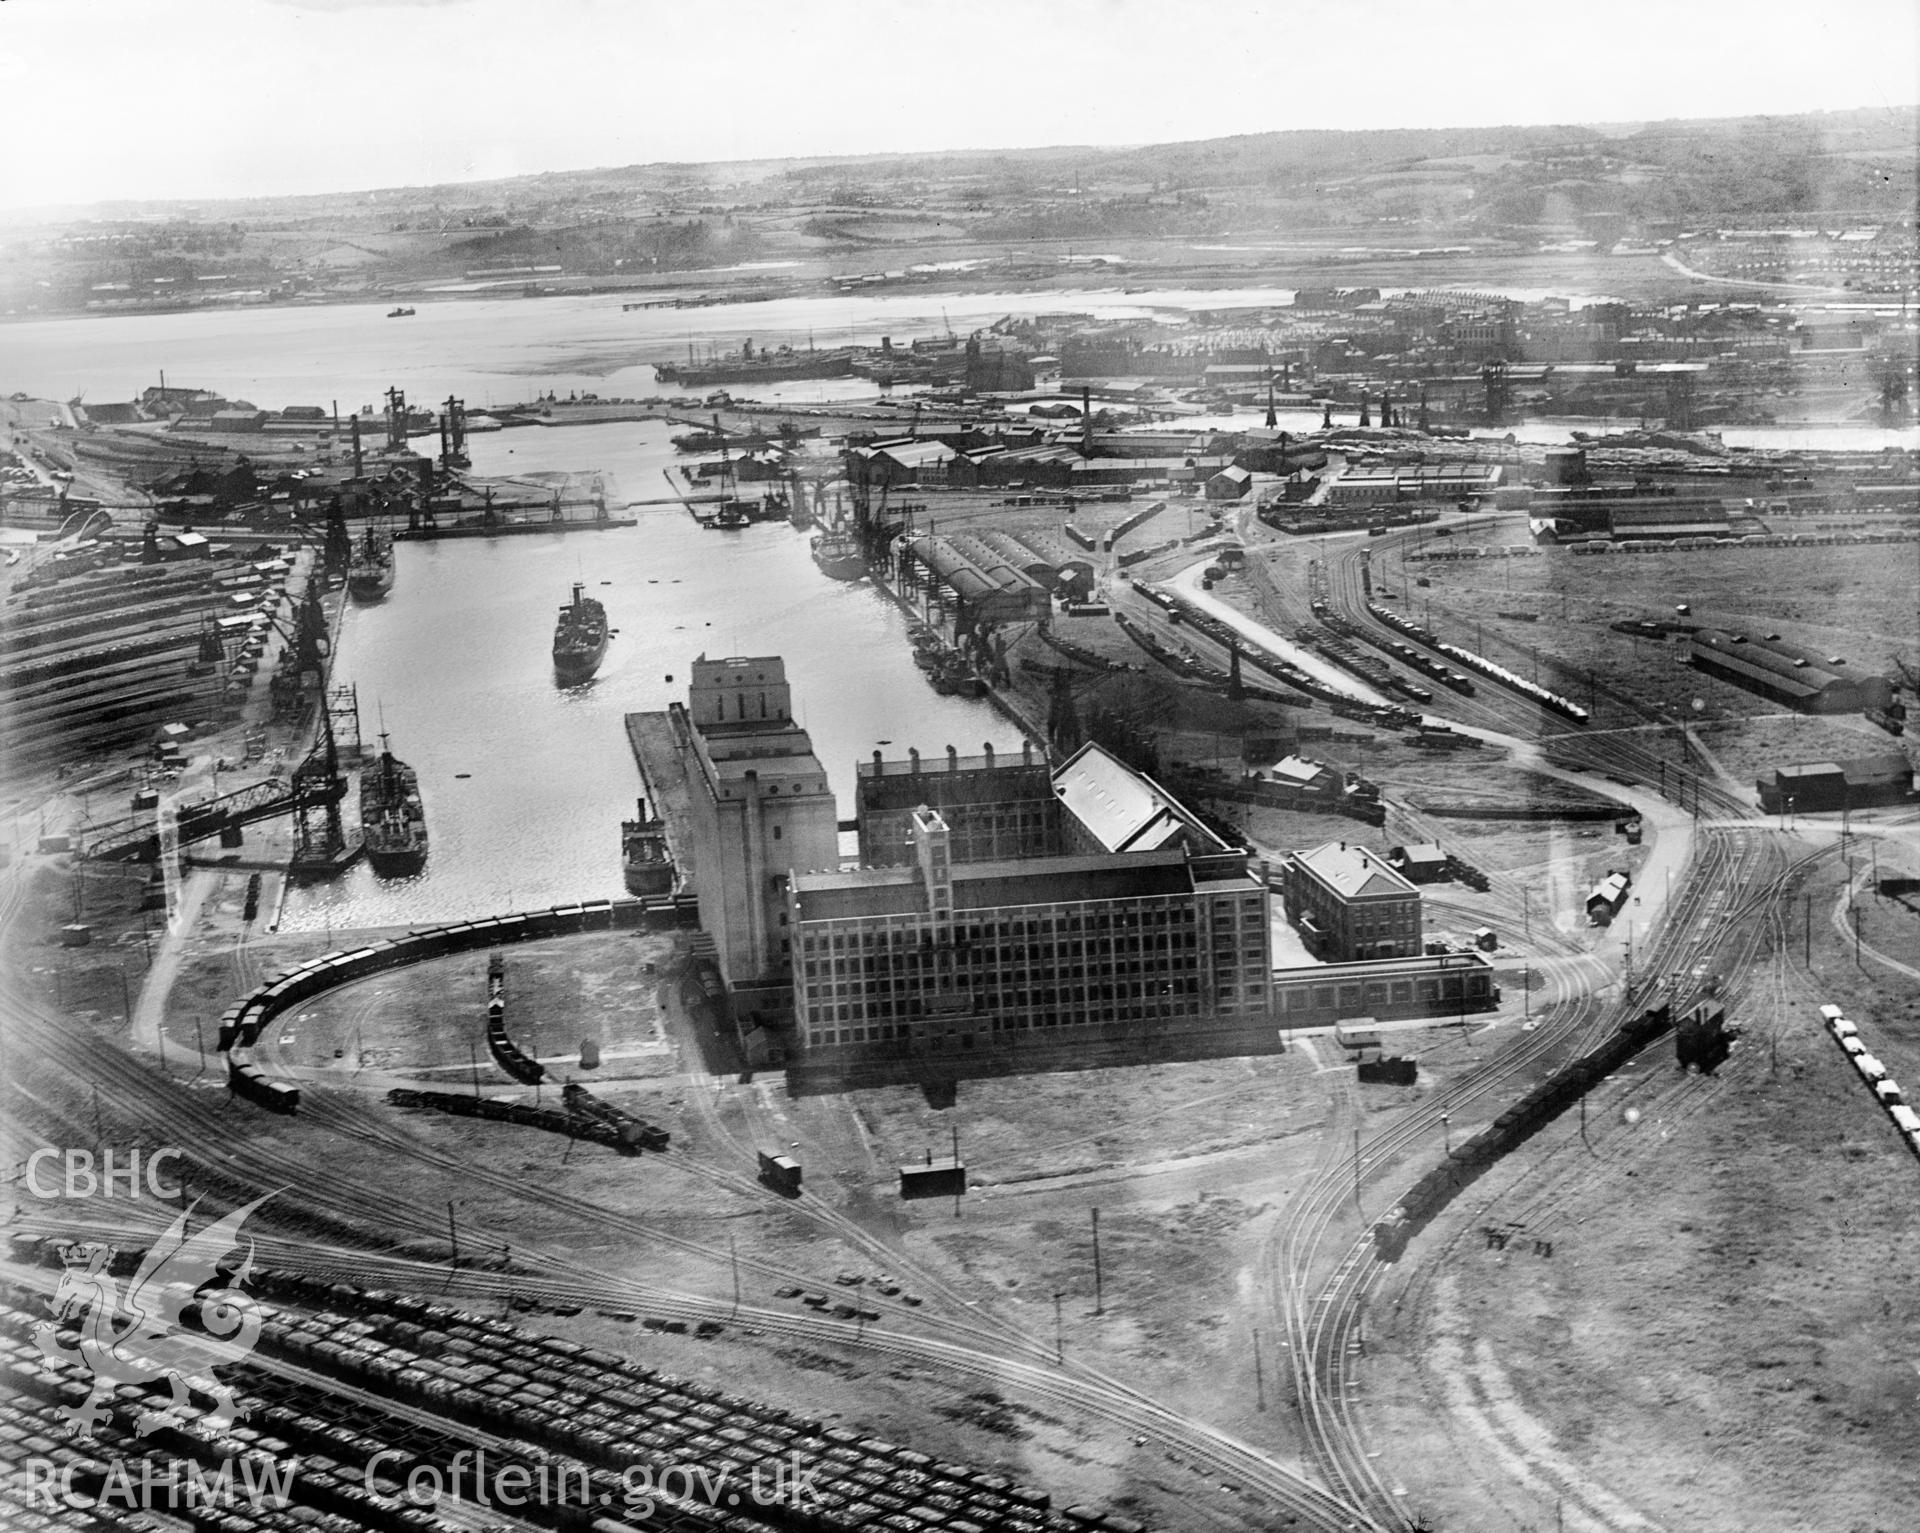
x: 1182, y: 611
x: 1539, y: 1107
x: 1335, y: 644
x: 1195, y: 669
x: 583, y: 1117
x: 1886, y: 1090
x: 618, y: 1414
x: 1419, y: 632
x: 1406, y: 654
x: 243, y: 1022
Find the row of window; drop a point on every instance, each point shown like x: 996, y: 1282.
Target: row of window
x: 883, y: 1032
x: 1043, y: 955
x: 907, y: 930
x: 843, y: 982
x: 1383, y: 992
x: 904, y: 1003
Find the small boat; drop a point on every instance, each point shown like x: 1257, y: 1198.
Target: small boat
x: 579, y: 637
x: 370, y: 572
x: 645, y: 860
x: 392, y: 819
x: 837, y: 552
x: 400, y: 313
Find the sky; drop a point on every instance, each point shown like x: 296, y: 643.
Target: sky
x: 204, y: 99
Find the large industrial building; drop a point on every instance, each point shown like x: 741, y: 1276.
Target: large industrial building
x: 759, y: 804
x: 1005, y: 914
x: 993, y: 590
x: 1786, y: 673
x: 1131, y: 922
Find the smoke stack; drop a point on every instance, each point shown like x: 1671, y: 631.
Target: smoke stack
x: 913, y: 755
x: 876, y: 761
x: 953, y: 759
x: 988, y: 747
x: 1086, y: 418
x: 1026, y: 753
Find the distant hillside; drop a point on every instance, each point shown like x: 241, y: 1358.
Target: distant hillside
x: 1500, y: 188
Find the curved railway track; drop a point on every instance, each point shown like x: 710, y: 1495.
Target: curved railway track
x: 142, y: 1103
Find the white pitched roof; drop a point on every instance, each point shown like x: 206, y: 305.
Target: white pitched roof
x: 1125, y: 811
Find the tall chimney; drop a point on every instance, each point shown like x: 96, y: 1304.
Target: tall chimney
x: 1086, y: 419
x: 988, y: 747
x: 953, y: 759
x: 913, y: 754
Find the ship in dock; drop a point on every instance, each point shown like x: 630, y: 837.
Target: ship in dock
x: 645, y: 861
x: 392, y: 821
x: 370, y: 573
x: 579, y: 638
x: 777, y: 366
x: 837, y: 552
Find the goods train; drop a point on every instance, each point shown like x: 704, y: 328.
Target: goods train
x: 591, y: 1415
x: 584, y: 1116
x: 1178, y: 610
x: 1421, y: 634
x: 506, y: 1053
x: 1539, y: 1107
x: 243, y: 1022
x: 1873, y: 1075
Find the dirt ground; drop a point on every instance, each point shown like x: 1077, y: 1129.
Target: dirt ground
x: 1722, y: 1335
x: 1857, y: 603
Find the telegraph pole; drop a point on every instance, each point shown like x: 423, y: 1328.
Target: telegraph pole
x: 1099, y: 1303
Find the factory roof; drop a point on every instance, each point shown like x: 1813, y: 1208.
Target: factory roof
x: 1798, y: 670
x: 1125, y: 810
x: 914, y: 454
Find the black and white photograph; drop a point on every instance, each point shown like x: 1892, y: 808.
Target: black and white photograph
x: 1096, y: 767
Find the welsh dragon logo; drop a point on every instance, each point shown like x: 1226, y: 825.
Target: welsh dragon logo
x: 141, y: 1336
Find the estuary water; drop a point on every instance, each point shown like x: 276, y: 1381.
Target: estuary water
x: 525, y: 782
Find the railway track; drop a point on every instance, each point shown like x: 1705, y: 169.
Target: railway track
x: 153, y: 1109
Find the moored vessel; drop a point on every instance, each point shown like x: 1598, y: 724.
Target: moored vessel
x: 645, y: 860
x: 579, y: 637
x: 837, y: 552
x: 393, y: 821
x: 370, y: 573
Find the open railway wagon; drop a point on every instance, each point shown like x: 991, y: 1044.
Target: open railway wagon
x: 243, y: 1022
x: 1525, y: 1118
x: 1420, y: 633
x: 588, y: 1119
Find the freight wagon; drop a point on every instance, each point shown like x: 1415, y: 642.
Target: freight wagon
x: 781, y: 1173
x: 1540, y: 1106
